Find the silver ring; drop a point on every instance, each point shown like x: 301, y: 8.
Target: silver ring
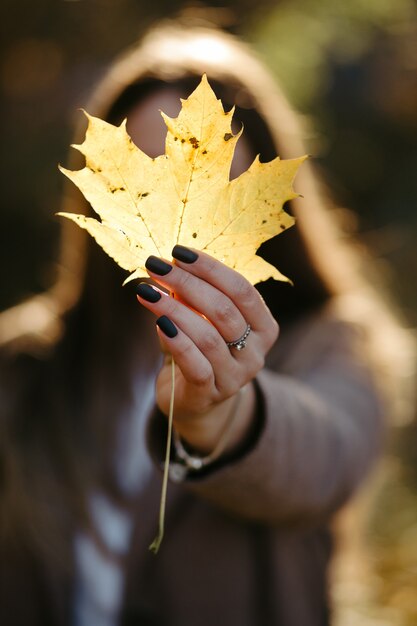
x: 240, y: 343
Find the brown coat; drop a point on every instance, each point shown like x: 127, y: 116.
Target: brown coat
x: 249, y: 542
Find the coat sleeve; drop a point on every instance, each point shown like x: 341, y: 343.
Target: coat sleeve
x: 321, y: 430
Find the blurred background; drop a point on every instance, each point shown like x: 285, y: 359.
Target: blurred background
x: 350, y: 69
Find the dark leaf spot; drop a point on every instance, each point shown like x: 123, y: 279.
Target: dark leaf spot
x: 194, y: 235
x: 194, y: 142
x: 204, y: 151
x: 227, y: 136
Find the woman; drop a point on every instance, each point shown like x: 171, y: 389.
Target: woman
x: 248, y: 513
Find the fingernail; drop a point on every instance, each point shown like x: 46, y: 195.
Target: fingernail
x: 181, y: 253
x: 147, y: 292
x: 167, y: 327
x: 157, y: 266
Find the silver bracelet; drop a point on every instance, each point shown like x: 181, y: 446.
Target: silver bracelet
x: 193, y: 462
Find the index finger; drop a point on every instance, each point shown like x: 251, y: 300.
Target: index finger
x: 244, y: 295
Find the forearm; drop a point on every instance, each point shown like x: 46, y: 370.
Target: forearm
x: 308, y: 459
x: 315, y: 439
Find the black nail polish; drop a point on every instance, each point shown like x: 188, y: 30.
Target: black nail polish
x: 167, y: 327
x: 181, y: 253
x: 147, y: 292
x: 157, y: 266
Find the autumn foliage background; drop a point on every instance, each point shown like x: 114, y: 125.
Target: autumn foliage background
x: 349, y: 67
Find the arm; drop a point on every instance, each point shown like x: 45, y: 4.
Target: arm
x: 318, y: 431
x: 322, y: 432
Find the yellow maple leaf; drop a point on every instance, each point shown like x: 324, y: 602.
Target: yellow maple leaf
x: 185, y: 196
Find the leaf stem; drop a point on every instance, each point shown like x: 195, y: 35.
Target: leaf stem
x: 156, y: 543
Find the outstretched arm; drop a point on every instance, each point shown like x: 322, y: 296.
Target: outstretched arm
x: 318, y: 426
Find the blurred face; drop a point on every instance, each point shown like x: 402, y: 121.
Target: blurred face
x: 148, y: 131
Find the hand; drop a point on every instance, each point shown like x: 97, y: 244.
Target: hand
x: 212, y: 305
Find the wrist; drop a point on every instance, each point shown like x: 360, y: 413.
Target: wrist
x: 201, y: 434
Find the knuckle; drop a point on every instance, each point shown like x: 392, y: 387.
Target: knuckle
x: 257, y: 363
x: 184, y: 280
x: 229, y: 389
x: 230, y: 385
x: 261, y: 362
x: 209, y: 342
x: 273, y: 333
x: 244, y: 291
x: 180, y: 352
x: 224, y: 310
x: 201, y: 377
x: 210, y: 263
x: 170, y: 306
